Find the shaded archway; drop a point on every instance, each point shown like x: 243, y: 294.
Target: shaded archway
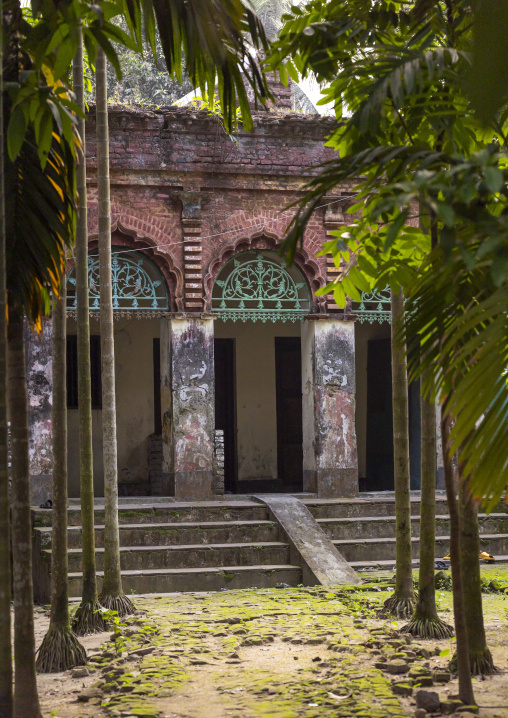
x: 260, y: 304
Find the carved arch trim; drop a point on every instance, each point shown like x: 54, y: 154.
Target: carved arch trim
x: 267, y: 241
x: 124, y: 234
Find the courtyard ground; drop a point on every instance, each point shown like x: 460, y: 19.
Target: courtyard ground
x: 282, y: 652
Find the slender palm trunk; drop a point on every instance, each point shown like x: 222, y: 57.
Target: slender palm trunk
x: 88, y: 617
x: 425, y: 622
x: 465, y: 684
x: 112, y: 595
x: 402, y: 602
x: 60, y: 649
x: 480, y: 657
x: 26, y: 700
x: 6, y: 705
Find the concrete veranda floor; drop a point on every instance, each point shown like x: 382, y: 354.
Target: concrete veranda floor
x: 266, y: 652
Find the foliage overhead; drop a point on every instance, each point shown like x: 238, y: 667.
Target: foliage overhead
x: 39, y: 173
x: 431, y: 207
x: 219, y: 40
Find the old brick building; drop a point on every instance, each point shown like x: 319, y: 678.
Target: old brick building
x: 224, y: 355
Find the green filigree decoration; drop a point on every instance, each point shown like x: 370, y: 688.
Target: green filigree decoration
x: 137, y: 284
x: 374, y: 307
x: 257, y: 287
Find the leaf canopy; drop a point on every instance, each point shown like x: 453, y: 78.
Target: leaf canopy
x: 430, y: 209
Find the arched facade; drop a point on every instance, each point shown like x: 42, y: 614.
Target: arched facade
x: 192, y: 210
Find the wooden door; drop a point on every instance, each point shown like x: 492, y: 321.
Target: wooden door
x: 225, y: 406
x: 288, y: 379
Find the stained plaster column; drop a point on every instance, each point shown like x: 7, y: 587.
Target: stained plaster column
x: 330, y: 461
x: 188, y: 405
x: 39, y: 369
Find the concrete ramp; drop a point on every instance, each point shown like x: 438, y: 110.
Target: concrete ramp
x: 310, y: 548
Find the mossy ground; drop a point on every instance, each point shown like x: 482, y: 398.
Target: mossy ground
x: 285, y: 653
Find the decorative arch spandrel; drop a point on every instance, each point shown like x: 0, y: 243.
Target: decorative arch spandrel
x: 265, y: 241
x: 124, y: 235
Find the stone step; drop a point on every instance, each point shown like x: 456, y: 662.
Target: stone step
x: 374, y: 506
x: 365, y: 507
x: 206, y: 532
x: 164, y: 512
x: 139, y: 558
x: 377, y: 550
x: 378, y: 527
x: 198, y: 579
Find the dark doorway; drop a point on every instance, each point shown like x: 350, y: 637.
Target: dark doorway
x: 157, y: 412
x: 225, y: 406
x: 379, y: 416
x: 95, y: 371
x: 288, y: 378
x: 380, y: 420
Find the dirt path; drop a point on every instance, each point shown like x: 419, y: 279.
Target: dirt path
x: 278, y: 653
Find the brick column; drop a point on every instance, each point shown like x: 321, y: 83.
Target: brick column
x: 188, y: 406
x: 334, y: 220
x: 192, y: 250
x: 39, y: 369
x: 330, y: 462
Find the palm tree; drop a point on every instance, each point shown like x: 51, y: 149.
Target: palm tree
x: 88, y: 617
x: 425, y: 622
x: 39, y: 178
x: 60, y: 649
x: 480, y: 657
x: 26, y: 700
x: 36, y: 185
x: 6, y: 704
x: 401, y: 603
x: 112, y: 596
x: 466, y: 694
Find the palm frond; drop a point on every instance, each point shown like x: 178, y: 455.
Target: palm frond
x: 40, y: 223
x: 217, y: 38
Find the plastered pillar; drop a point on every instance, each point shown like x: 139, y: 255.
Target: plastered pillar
x: 330, y: 462
x: 39, y: 377
x: 187, y: 405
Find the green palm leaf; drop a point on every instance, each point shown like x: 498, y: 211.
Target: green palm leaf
x: 216, y: 37
x: 40, y: 223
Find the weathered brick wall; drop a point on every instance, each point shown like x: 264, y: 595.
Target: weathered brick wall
x: 180, y: 184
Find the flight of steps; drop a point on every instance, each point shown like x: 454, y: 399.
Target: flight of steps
x: 363, y: 530
x: 208, y: 546
x: 166, y: 547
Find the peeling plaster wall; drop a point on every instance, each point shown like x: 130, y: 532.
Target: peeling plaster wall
x: 39, y: 365
x: 135, y: 411
x: 333, y: 385
x: 255, y: 393
x: 191, y: 414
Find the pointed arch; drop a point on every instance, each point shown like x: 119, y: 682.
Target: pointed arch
x: 141, y: 233
x: 267, y: 241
